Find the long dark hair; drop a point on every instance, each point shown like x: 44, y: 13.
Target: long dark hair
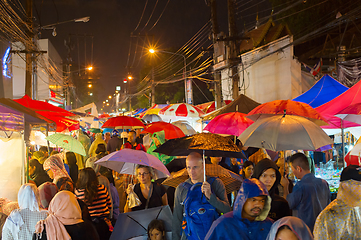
x: 89, y: 182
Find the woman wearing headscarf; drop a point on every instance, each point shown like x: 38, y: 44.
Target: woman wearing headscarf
x: 21, y: 222
x: 289, y: 228
x: 158, y: 138
x: 37, y: 173
x: 54, y: 167
x: 267, y: 172
x: 65, y: 221
x: 46, y: 192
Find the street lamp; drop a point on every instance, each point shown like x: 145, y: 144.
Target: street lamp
x: 184, y: 73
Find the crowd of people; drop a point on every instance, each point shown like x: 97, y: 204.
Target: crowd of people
x: 70, y: 197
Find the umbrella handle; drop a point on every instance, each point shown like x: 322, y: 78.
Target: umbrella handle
x: 204, y: 167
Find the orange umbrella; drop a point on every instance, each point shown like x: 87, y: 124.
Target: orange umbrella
x: 170, y: 131
x: 289, y: 107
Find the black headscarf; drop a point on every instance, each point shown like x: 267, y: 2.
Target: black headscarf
x: 261, y: 167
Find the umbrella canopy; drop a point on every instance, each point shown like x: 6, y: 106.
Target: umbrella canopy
x: 287, y: 132
x: 105, y: 115
x: 67, y: 142
x: 124, y: 122
x: 278, y: 107
x: 151, y: 118
x: 95, y: 130
x: 133, y: 225
x: 124, y: 161
x: 233, y: 123
x: 186, y: 128
x: 231, y: 181
x: 181, y: 110
x: 352, y: 159
x: 170, y: 131
x: 40, y: 106
x: 213, y: 145
x: 352, y: 113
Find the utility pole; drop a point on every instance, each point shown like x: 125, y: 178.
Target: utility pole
x: 232, y: 54
x: 28, y: 49
x: 153, y: 87
x: 216, y: 74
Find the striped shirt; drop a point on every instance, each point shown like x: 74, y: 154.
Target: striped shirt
x: 101, y: 204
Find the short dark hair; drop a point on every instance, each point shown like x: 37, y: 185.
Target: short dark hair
x: 43, y: 149
x: 156, y: 224
x: 100, y: 148
x: 132, y: 131
x: 65, y: 183
x: 300, y: 159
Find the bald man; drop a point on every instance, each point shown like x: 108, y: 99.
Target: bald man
x: 215, y: 194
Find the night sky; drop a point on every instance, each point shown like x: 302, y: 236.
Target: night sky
x: 111, y: 23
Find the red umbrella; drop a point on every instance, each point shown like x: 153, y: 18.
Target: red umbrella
x: 124, y: 122
x: 170, y: 131
x: 62, y: 123
x: 233, y: 123
x: 352, y: 159
x: 278, y: 107
x: 105, y: 115
x: 40, y: 106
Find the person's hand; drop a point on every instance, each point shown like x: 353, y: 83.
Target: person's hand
x: 206, y: 189
x: 284, y: 182
x: 129, y: 189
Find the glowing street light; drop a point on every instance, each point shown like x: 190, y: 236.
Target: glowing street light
x: 103, y: 102
x: 107, y: 104
x: 151, y: 50
x: 130, y: 77
x: 110, y: 96
x: 90, y: 85
x: 106, y: 100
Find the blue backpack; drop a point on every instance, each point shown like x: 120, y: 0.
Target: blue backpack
x: 199, y: 214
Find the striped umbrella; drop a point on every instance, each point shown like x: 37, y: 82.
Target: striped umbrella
x: 231, y: 180
x: 181, y: 110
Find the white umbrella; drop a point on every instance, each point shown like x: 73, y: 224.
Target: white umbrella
x: 124, y: 161
x: 185, y: 127
x: 152, y: 118
x: 284, y: 132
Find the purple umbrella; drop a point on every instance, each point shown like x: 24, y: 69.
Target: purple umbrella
x: 124, y: 161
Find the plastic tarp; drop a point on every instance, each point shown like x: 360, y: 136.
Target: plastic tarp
x: 11, y: 165
x: 11, y: 120
x: 329, y: 109
x: 326, y: 89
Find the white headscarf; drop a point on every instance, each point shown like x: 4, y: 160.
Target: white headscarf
x: 28, y: 198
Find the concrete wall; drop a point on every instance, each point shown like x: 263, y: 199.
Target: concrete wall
x: 18, y: 67
x: 267, y: 78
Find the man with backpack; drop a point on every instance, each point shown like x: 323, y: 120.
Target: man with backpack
x: 197, y: 203
x: 248, y: 220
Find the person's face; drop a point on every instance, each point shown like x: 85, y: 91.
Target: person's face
x: 50, y: 173
x: 195, y: 169
x: 216, y: 160
x: 248, y: 171
x: 31, y: 170
x: 155, y: 234
x: 143, y: 175
x: 107, y: 136
x: 286, y: 234
x: 296, y: 171
x: 131, y: 137
x: 268, y: 178
x: 253, y: 207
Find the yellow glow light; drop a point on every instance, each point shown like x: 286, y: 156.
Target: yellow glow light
x: 107, y: 104
x: 130, y: 77
x: 110, y: 96
x: 151, y: 50
x: 90, y: 68
x: 89, y: 86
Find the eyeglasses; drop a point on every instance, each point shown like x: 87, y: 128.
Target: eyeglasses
x: 143, y: 174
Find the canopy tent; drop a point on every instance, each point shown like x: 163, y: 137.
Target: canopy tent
x: 326, y: 89
x: 242, y: 104
x: 329, y: 109
x: 139, y: 111
x: 153, y: 110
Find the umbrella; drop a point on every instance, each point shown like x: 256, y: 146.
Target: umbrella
x: 185, y: 127
x: 123, y: 122
x: 233, y: 123
x: 124, y: 161
x: 231, y: 180
x: 152, y: 118
x: 279, y: 107
x: 95, y: 130
x: 287, y: 132
x: 134, y: 225
x: 352, y: 113
x: 67, y: 142
x: 181, y: 110
x: 170, y: 131
x: 213, y: 145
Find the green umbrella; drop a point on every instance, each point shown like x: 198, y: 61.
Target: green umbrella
x: 95, y: 130
x: 67, y: 142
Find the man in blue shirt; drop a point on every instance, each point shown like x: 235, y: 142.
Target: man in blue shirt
x: 310, y: 195
x: 248, y: 220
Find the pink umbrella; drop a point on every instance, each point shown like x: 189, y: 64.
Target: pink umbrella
x: 233, y: 123
x: 181, y: 110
